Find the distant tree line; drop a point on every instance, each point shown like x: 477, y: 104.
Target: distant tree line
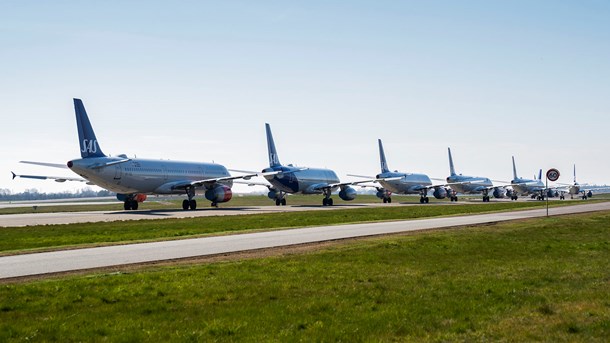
x: 33, y: 194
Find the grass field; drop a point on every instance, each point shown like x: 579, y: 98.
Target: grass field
x: 46, y: 237
x: 534, y: 280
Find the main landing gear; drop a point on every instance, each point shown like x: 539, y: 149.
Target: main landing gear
x: 327, y: 201
x: 190, y: 203
x: 485, y: 197
x: 387, y: 200
x: 130, y: 204
x: 281, y: 200
x: 424, y: 198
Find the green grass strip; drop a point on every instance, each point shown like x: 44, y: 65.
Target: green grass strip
x: 536, y: 280
x: 20, y: 239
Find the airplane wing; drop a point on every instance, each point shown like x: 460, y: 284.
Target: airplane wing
x: 209, y: 182
x: 55, y: 178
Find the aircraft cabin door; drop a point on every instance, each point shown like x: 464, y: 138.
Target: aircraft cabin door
x: 118, y: 172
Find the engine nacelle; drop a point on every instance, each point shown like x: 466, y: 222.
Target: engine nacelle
x: 550, y: 193
x: 439, y: 193
x: 499, y: 192
x: 273, y: 195
x: 347, y: 194
x: 382, y: 193
x: 139, y: 197
x: 219, y: 193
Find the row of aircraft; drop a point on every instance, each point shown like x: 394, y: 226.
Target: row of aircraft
x: 135, y: 178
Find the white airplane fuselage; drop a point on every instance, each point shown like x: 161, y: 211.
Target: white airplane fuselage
x: 469, y: 184
x: 409, y: 183
x: 296, y: 180
x: 527, y: 186
x: 144, y: 175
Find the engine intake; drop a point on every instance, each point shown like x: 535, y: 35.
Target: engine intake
x: 440, y: 192
x: 219, y: 193
x: 347, y: 194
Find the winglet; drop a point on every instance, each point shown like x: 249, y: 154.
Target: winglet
x: 514, y: 170
x: 382, y: 159
x: 274, y: 160
x: 451, y: 168
x: 89, y: 146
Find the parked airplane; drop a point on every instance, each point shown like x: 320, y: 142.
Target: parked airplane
x: 471, y: 184
x: 291, y: 179
x: 133, y: 178
x: 575, y: 189
x: 523, y: 186
x: 403, y: 183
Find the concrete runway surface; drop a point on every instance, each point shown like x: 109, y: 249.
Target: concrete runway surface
x: 90, y: 258
x: 14, y: 220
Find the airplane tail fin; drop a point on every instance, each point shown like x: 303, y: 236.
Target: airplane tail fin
x: 540, y: 174
x: 515, y: 177
x: 574, y: 172
x: 382, y: 160
x: 274, y: 160
x: 451, y: 168
x: 89, y: 146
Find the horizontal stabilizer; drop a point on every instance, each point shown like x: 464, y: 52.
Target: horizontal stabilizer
x: 47, y: 164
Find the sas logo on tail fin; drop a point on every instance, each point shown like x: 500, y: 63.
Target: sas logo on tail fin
x: 274, y: 159
x: 89, y: 146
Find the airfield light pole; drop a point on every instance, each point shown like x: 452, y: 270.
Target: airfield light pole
x: 553, y: 175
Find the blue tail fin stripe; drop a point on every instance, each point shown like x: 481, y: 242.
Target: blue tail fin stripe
x: 382, y: 159
x: 89, y: 146
x: 274, y: 160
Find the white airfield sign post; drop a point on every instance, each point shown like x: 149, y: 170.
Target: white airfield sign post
x: 552, y: 175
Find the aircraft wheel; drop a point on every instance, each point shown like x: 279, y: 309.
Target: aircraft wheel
x: 127, y: 205
x: 455, y: 199
x: 214, y: 204
x: 324, y: 202
x: 284, y: 202
x: 193, y: 205
x: 134, y: 205
x: 389, y: 200
x: 278, y: 202
x: 426, y: 200
x: 185, y: 204
x: 330, y: 202
x: 421, y: 200
x: 385, y: 200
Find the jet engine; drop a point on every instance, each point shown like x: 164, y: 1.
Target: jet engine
x: 273, y: 194
x: 499, y: 192
x: 347, y: 194
x: 139, y: 197
x: 220, y: 193
x: 550, y: 193
x: 382, y: 193
x: 439, y: 193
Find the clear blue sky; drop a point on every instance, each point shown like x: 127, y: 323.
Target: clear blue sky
x: 197, y: 80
